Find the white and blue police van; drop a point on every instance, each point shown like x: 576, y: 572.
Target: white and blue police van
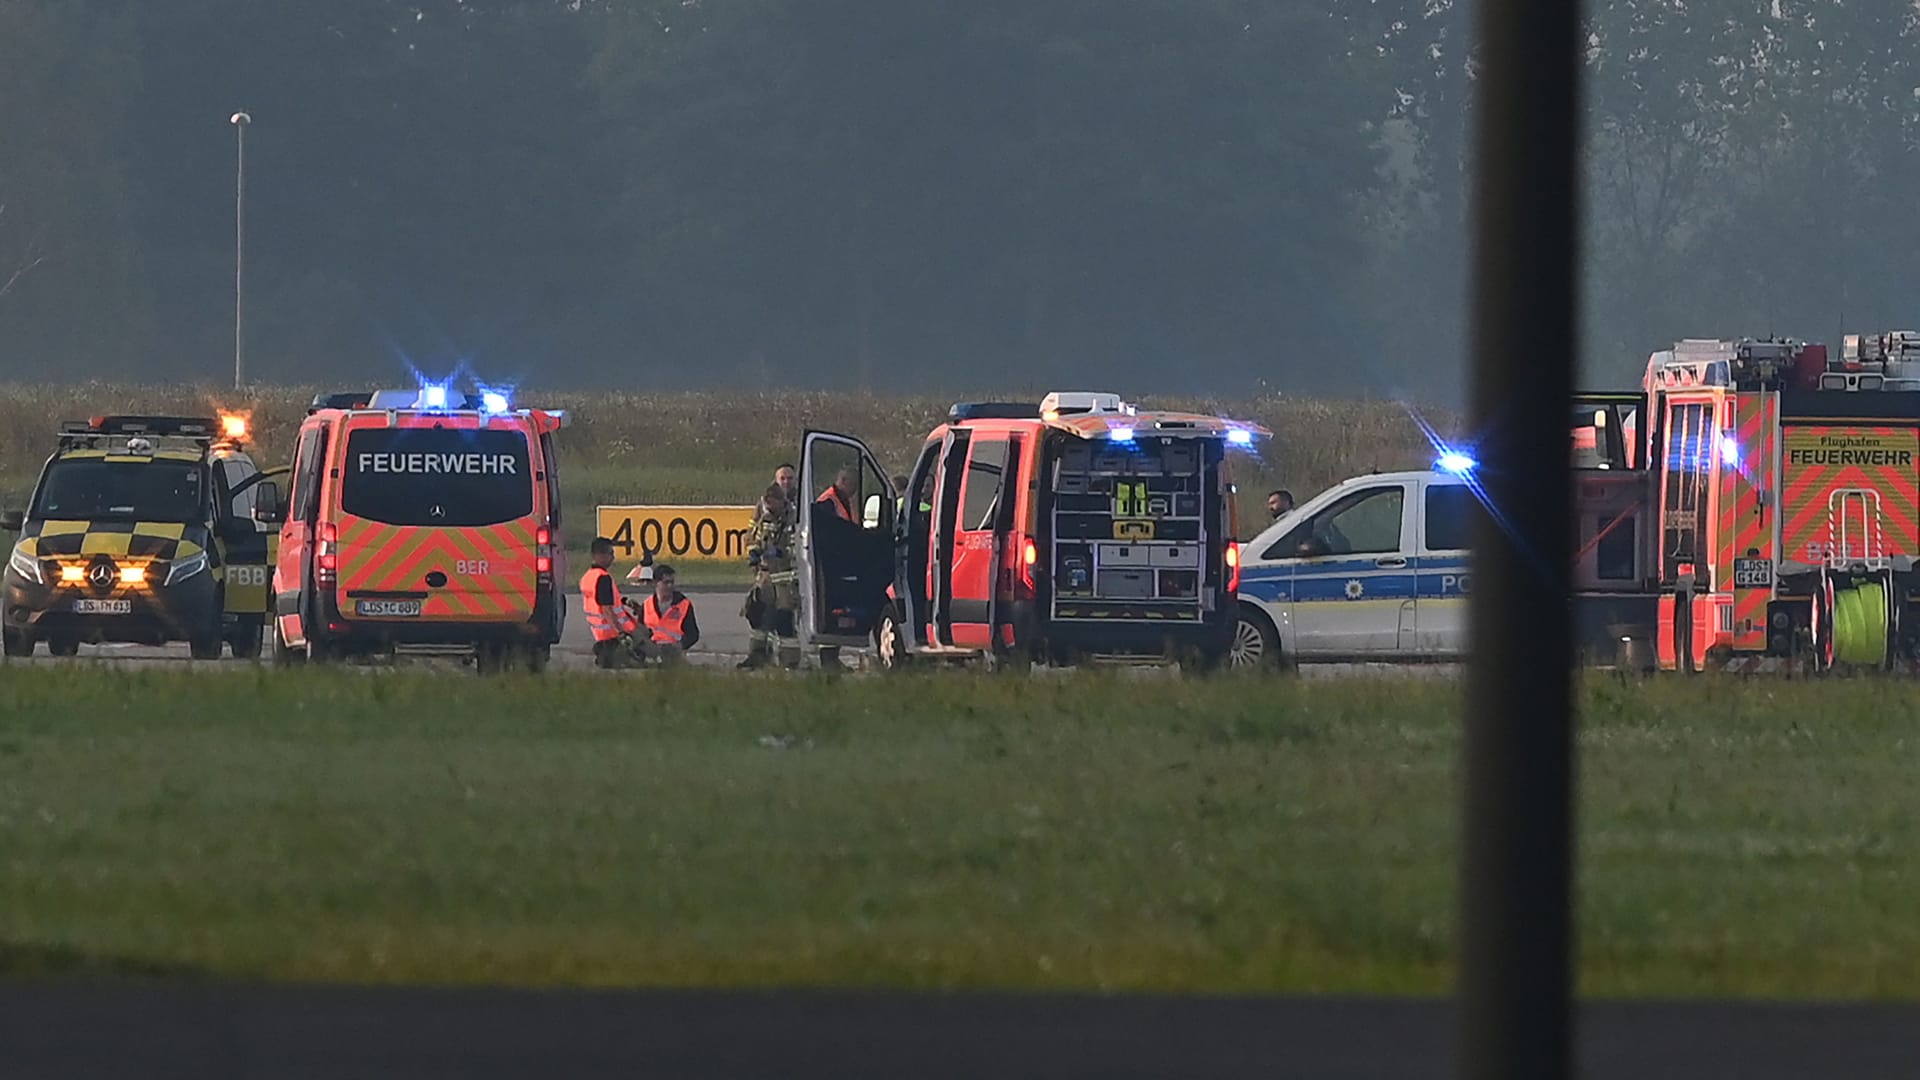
x: 1372, y: 569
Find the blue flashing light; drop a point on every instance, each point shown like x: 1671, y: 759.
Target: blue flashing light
x: 493, y: 401
x: 1240, y: 437
x: 1120, y: 434
x: 433, y: 396
x: 1455, y: 462
x: 1730, y: 451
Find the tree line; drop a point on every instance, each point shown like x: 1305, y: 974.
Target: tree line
x: 1182, y: 196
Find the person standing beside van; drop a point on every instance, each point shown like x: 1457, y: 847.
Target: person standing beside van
x: 611, y: 620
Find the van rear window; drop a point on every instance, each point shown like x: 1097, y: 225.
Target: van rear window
x: 437, y: 476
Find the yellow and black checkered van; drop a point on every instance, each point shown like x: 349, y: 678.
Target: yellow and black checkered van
x: 139, y: 532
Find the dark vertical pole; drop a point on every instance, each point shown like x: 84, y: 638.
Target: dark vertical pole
x: 1516, y: 965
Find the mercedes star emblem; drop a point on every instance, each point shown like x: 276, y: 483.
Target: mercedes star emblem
x: 436, y: 510
x: 101, y: 574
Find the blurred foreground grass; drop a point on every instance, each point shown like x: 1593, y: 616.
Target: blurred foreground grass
x: 1094, y: 831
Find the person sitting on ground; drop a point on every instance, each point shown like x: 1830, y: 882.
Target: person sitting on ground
x: 671, y: 629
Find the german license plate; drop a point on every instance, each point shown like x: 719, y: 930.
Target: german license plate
x: 1752, y: 573
x: 388, y: 609
x: 103, y: 607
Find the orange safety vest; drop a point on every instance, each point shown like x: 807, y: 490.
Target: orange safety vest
x: 669, y: 627
x: 610, y: 622
x: 840, y: 505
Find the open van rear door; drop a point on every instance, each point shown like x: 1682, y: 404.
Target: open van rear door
x: 844, y: 566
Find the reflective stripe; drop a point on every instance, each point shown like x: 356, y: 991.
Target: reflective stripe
x: 608, y: 623
x: 668, y: 627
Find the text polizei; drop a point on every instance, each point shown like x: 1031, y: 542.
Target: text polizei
x: 441, y: 464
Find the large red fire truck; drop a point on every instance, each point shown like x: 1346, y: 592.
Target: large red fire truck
x: 1756, y: 508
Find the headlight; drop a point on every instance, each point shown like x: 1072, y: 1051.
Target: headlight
x: 185, y: 568
x: 27, y: 566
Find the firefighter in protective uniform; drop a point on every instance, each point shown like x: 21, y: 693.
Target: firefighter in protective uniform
x: 773, y: 605
x: 613, y: 623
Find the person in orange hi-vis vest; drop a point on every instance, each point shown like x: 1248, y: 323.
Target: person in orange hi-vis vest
x: 668, y: 614
x: 611, y: 620
x: 840, y: 495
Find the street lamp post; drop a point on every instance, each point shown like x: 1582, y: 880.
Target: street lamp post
x: 239, y: 121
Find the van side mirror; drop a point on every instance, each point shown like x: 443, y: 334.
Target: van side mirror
x: 870, y: 513
x: 267, y: 508
x: 13, y: 520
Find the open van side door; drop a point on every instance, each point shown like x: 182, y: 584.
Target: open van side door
x: 941, y: 544
x: 844, y: 567
x: 912, y: 542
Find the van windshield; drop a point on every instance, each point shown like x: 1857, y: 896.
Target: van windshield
x: 96, y: 490
x: 437, y: 476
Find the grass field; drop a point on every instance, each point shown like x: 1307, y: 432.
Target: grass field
x: 722, y: 447
x: 1737, y: 838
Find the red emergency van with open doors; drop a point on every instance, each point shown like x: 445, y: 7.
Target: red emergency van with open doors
x: 1081, y: 529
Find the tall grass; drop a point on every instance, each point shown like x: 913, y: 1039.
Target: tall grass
x: 1095, y: 831
x: 716, y: 446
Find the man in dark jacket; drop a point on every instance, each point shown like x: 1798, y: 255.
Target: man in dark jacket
x: 668, y: 626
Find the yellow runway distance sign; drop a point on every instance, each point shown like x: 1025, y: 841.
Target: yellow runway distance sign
x: 677, y: 534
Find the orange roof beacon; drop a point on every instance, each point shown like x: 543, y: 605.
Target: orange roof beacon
x: 421, y: 520
x: 1079, y: 529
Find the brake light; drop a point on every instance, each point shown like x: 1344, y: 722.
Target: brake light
x: 327, y: 558
x: 543, y: 552
x: 1233, y: 566
x: 1029, y: 557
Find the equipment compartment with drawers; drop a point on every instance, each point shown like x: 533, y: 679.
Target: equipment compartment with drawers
x: 1129, y: 526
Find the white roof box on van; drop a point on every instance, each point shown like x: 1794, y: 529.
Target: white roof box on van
x: 1081, y: 403
x: 394, y: 399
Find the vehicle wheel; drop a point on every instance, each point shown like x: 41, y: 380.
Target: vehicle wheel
x: 535, y: 658
x: 248, y: 638
x: 17, y: 644
x: 318, y: 651
x: 1256, y: 644
x: 890, y: 642
x: 63, y: 645
x: 490, y: 658
x: 205, y: 647
x: 1205, y: 661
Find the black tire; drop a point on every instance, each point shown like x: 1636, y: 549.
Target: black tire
x: 890, y: 651
x: 1205, y: 660
x: 16, y: 644
x: 206, y: 646
x: 63, y: 645
x: 498, y: 658
x: 1255, y: 645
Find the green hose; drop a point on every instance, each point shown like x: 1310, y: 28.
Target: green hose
x: 1860, y: 624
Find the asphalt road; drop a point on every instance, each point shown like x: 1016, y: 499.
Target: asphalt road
x: 190, y: 1029
x: 723, y: 642
x: 723, y: 637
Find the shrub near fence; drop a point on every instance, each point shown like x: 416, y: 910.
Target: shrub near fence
x: 721, y: 447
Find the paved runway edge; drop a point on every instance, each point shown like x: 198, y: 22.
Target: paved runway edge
x: 153, y: 1028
